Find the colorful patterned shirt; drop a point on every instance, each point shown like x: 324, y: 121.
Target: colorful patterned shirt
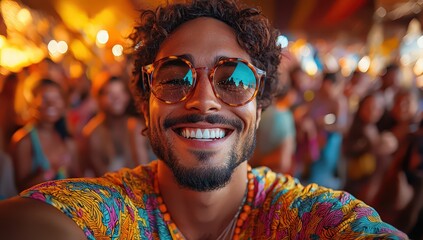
x: 123, y: 205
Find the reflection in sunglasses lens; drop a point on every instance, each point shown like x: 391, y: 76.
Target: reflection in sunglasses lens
x: 234, y: 82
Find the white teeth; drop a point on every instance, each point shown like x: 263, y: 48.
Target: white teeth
x: 198, y: 134
x: 206, y: 134
x: 203, y: 133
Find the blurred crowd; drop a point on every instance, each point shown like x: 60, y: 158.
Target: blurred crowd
x: 358, y: 133
x: 55, y: 127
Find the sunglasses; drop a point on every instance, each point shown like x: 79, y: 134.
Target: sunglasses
x: 234, y: 81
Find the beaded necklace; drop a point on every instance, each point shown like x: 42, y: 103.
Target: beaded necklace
x: 240, y: 216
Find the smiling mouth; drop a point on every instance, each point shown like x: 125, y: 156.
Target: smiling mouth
x: 203, y: 134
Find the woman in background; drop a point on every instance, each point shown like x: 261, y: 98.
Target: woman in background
x: 400, y: 199
x: 43, y: 149
x: 366, y: 150
x: 112, y: 139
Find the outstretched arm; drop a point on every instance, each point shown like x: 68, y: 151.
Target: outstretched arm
x: 24, y: 218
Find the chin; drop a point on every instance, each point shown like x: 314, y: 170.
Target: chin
x: 205, y: 171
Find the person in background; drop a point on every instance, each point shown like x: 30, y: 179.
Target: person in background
x: 9, y: 120
x: 7, y: 181
x: 112, y: 139
x: 390, y: 84
x: 356, y: 88
x: 329, y: 111
x: 416, y: 232
x: 82, y: 105
x: 28, y: 77
x: 276, y: 134
x: 43, y: 150
x: 366, y: 150
x: 201, y: 99
x: 400, y: 197
x: 301, y: 92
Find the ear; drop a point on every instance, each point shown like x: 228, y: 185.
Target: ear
x: 145, y: 112
x: 258, y: 116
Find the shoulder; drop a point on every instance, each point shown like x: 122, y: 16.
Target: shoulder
x: 103, y: 206
x: 113, y: 185
x: 21, y: 135
x: 93, y: 126
x: 22, y: 218
x: 267, y: 179
x: 21, y: 141
x: 135, y: 124
x: 306, y: 211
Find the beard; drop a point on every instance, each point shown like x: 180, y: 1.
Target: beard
x: 203, y: 178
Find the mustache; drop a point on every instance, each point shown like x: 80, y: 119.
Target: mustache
x: 212, y: 119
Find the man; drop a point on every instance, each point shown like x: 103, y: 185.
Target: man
x: 202, y: 106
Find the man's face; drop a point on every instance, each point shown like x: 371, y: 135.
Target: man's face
x: 202, y: 164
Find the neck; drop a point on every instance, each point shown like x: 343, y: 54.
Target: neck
x: 209, y: 212
x: 44, y: 126
x: 114, y: 121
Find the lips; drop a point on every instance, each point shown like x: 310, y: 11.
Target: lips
x: 198, y: 129
x: 199, y: 133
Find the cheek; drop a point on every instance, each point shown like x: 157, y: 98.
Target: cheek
x: 103, y: 101
x: 60, y: 103
x: 249, y: 115
x: 154, y: 112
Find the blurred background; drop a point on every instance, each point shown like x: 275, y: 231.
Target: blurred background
x: 344, y: 32
x: 349, y: 115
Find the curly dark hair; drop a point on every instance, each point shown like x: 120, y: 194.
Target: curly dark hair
x: 254, y: 34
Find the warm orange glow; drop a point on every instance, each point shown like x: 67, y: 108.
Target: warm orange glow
x: 13, y: 59
x: 24, y: 16
x: 2, y: 41
x: 73, y: 16
x: 75, y: 69
x: 80, y: 51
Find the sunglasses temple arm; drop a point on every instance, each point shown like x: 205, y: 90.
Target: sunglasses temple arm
x: 262, y: 86
x: 145, y: 86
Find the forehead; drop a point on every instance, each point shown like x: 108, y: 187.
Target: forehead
x: 204, y: 39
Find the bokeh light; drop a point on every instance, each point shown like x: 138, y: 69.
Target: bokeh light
x: 117, y: 50
x: 102, y: 37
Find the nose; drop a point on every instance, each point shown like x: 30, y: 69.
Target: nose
x: 203, y: 98
x: 49, y: 101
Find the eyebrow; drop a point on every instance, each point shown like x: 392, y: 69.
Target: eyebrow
x: 190, y: 58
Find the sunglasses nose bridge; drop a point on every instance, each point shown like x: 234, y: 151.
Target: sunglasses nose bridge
x: 201, y: 72
x: 204, y: 70
x: 202, y: 95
